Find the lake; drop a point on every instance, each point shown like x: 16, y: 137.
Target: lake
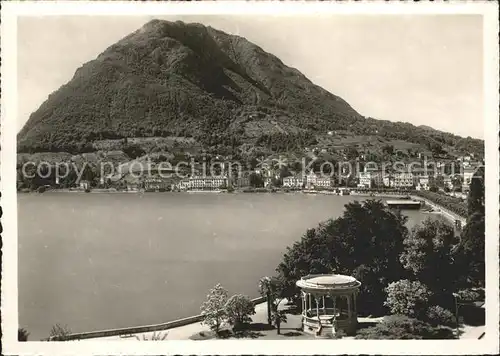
x: 99, y: 261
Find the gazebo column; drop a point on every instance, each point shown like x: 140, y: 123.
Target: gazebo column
x: 324, y: 307
x: 304, y: 296
x: 334, y: 298
x: 355, y: 309
x: 349, y: 307
x: 309, y: 301
x: 316, y: 299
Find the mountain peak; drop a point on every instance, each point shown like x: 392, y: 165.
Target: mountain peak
x: 176, y: 79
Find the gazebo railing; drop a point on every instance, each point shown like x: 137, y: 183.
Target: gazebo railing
x: 328, y: 312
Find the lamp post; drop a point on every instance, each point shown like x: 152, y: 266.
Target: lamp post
x: 456, y: 296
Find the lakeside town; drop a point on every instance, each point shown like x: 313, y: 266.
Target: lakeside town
x: 445, y: 183
x: 450, y: 177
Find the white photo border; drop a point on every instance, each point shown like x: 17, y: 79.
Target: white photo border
x: 12, y: 10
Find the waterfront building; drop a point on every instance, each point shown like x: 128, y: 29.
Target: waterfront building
x: 156, y: 184
x: 329, y: 304
x: 403, y: 180
x: 324, y: 182
x: 242, y: 182
x: 387, y: 180
x: 201, y: 183
x: 184, y: 184
x: 378, y: 178
x: 423, y: 183
x: 365, y: 179
x: 293, y: 182
x: 84, y: 184
x: 311, y: 180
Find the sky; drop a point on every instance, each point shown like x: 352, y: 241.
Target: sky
x: 422, y: 69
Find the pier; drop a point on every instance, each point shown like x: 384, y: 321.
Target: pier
x: 404, y: 204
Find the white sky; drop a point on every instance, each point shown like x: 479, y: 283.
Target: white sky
x: 423, y: 69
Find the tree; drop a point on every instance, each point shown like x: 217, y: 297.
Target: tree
x: 352, y: 153
x: 471, y: 250
x: 428, y: 256
x: 370, y: 251
x: 278, y: 317
x: 475, y: 200
x: 22, y: 334
x: 238, y: 309
x: 409, y: 298
x: 272, y: 288
x: 256, y: 180
x: 265, y: 291
x: 133, y: 151
x: 388, y: 149
x: 470, y: 254
x: 213, y: 310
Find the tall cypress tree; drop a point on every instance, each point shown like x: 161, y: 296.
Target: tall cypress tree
x: 475, y: 200
x: 471, y: 250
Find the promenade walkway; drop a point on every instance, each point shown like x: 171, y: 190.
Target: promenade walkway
x: 183, y: 332
x: 289, y: 330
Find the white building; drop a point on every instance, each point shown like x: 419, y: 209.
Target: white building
x: 403, y: 180
x: 467, y: 178
x: 423, y: 183
x: 184, y: 184
x: 208, y: 182
x: 365, y: 179
x: 311, y: 179
x: 293, y: 182
x: 448, y: 182
x: 84, y: 184
x: 324, y: 182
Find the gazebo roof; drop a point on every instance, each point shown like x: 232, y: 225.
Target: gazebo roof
x: 328, y: 282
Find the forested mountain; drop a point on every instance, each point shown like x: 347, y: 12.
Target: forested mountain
x: 215, y: 90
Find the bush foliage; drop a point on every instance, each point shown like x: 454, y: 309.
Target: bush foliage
x: 401, y: 327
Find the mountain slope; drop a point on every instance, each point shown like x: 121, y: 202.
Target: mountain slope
x: 187, y: 80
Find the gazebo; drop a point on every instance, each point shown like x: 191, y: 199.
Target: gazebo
x: 329, y: 303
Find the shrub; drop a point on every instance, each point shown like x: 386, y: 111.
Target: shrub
x: 22, y: 334
x: 437, y: 315
x: 155, y: 337
x: 407, y: 298
x: 400, y: 327
x: 470, y: 295
x: 59, y: 333
x: 339, y: 334
x: 238, y: 310
x: 133, y: 151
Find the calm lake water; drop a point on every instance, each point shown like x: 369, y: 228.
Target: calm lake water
x: 98, y: 261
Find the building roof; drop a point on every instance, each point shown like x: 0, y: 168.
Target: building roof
x: 328, y: 282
